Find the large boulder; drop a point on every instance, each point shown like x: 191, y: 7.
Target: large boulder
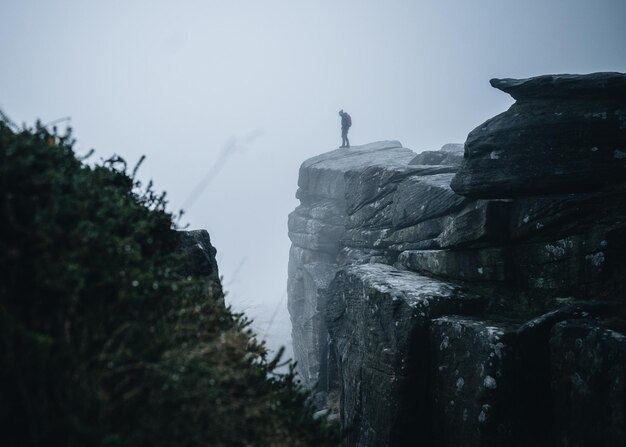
x: 421, y: 198
x: 371, y: 195
x: 565, y: 133
x: 378, y: 318
x: 475, y: 373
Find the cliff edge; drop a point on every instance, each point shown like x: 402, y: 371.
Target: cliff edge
x: 473, y: 295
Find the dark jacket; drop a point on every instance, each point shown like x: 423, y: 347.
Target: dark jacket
x: 346, y: 122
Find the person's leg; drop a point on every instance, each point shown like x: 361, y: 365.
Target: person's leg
x: 347, y: 141
x: 344, y: 138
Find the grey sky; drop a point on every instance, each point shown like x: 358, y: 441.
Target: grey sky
x: 181, y: 82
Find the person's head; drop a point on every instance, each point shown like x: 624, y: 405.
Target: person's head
x: 341, y: 112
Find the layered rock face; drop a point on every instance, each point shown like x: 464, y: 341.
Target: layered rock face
x: 564, y: 134
x: 473, y: 295
x: 317, y: 228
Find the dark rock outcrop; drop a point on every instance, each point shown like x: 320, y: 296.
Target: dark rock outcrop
x: 198, y: 255
x: 197, y: 260
x: 588, y: 367
x: 449, y: 300
x: 564, y: 133
x: 378, y: 317
x: 475, y: 374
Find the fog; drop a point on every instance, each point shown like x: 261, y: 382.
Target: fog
x: 226, y: 98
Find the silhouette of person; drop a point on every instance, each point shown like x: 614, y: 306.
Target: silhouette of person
x: 346, y: 122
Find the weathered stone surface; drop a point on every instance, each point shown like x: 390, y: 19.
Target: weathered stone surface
x: 314, y: 234
x: 536, y: 401
x: 560, y: 215
x: 428, y: 244
x: 317, y: 224
x: 521, y: 401
x: 488, y: 264
x: 346, y: 216
x: 594, y: 86
x: 586, y: 266
x: 365, y: 238
x: 589, y: 368
x: 480, y: 222
x: 422, y: 198
x: 329, y: 211
x: 475, y: 373
x: 308, y: 326
x: 355, y: 256
x: 374, y: 215
x: 542, y: 145
x: 427, y: 230
x: 308, y: 273
x: 299, y: 256
x: 198, y: 258
x: 437, y: 158
x: 369, y: 184
x: 453, y: 148
x: 329, y: 186
x: 371, y: 192
x: 323, y: 175
x: 377, y: 318
x: 450, y: 155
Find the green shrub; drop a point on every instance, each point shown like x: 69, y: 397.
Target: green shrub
x: 102, y: 340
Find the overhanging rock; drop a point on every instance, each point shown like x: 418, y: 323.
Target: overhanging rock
x: 565, y: 133
x: 431, y: 302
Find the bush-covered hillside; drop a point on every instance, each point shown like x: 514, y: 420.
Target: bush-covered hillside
x: 103, y: 341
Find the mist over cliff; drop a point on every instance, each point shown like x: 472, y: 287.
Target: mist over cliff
x: 184, y: 83
x: 474, y: 295
x: 429, y: 276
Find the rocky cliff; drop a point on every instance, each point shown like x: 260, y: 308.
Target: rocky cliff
x: 472, y: 295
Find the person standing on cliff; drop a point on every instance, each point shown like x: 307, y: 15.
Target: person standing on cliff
x: 346, y: 122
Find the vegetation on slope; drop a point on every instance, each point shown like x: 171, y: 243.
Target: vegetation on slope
x: 102, y: 340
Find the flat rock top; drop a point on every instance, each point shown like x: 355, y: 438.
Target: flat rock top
x: 415, y: 290
x: 380, y: 153
x: 604, y: 85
